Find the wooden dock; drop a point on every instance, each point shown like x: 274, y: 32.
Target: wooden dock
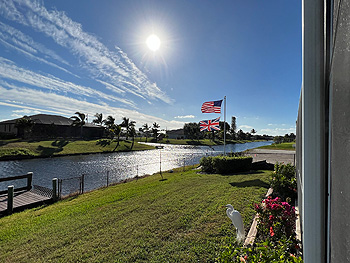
x: 23, y: 200
x: 13, y: 200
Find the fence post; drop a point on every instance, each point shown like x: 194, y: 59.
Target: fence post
x: 82, y: 183
x: 107, y: 178
x: 59, y: 188
x: 10, y: 199
x: 29, y: 180
x: 54, y: 189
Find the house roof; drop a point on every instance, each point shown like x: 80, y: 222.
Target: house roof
x: 48, y: 119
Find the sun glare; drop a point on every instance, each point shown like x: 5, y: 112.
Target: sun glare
x: 153, y: 42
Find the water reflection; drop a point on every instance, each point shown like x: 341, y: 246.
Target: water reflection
x: 114, y: 167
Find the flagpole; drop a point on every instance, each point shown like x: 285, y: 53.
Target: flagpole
x: 225, y: 125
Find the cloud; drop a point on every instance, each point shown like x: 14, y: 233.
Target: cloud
x: 24, y: 98
x: 26, y: 112
x: 278, y: 131
x: 185, y: 117
x: 245, y: 127
x: 27, y: 43
x: 14, y: 73
x: 110, y: 66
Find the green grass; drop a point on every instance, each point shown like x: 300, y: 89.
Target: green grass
x: 22, y: 149
x: 280, y: 146
x: 179, y: 219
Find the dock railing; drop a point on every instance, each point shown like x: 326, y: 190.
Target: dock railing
x: 50, y: 194
x: 28, y: 187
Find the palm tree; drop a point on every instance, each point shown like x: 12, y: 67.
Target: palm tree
x: 115, y: 129
x: 79, y: 121
x: 253, y: 131
x: 126, y: 123
x: 145, y: 128
x: 109, y: 122
x: 155, y: 130
x: 132, y: 132
x: 25, y: 125
x: 98, y: 119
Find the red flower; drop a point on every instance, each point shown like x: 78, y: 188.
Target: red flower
x: 271, y: 231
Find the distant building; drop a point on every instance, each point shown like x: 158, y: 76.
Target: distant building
x: 176, y: 134
x: 50, y: 126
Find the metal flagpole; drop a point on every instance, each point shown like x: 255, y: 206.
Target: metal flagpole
x: 225, y: 125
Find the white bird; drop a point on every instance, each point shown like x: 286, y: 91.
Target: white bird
x: 237, y: 221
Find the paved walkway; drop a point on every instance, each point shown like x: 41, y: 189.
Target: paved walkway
x: 272, y: 156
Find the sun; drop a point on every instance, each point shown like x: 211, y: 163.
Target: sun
x: 153, y: 42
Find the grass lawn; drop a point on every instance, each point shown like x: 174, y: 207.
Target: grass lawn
x: 17, y: 148
x: 179, y: 219
x: 280, y: 146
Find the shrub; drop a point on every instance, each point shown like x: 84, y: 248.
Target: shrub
x: 226, y: 165
x: 207, y: 164
x: 283, y: 181
x: 276, y: 219
x: 261, y: 252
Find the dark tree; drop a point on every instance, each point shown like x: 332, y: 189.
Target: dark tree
x: 98, y: 119
x: 155, y: 130
x: 233, y: 127
x: 24, y: 126
x: 192, y: 130
x: 79, y: 121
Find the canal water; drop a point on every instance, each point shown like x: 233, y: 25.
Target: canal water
x: 103, y: 169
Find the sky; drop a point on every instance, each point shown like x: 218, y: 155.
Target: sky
x: 59, y: 57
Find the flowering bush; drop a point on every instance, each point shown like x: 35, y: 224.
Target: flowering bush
x: 261, y: 252
x: 283, y: 181
x: 276, y: 233
x: 276, y: 219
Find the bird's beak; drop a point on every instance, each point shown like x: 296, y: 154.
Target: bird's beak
x: 223, y: 206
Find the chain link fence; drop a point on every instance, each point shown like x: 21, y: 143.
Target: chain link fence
x: 89, y: 181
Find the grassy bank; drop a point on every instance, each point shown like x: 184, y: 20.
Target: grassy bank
x: 280, y: 146
x: 179, y: 219
x: 17, y: 149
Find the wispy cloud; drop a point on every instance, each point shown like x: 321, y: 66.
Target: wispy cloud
x: 14, y: 73
x: 112, y: 67
x: 185, y: 117
x: 27, y: 43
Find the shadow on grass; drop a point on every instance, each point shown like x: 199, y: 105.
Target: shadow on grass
x: 251, y: 183
x: 48, y: 151
x: 103, y: 142
x: 60, y: 143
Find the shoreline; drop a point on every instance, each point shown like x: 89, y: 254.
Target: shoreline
x: 26, y: 147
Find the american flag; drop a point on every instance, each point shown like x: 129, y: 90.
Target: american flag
x: 211, y: 107
x: 210, y: 125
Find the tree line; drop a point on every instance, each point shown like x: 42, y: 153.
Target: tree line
x: 192, y: 131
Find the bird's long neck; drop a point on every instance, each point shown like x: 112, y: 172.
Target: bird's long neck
x: 229, y: 211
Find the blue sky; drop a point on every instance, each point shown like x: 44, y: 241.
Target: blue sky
x: 59, y: 57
